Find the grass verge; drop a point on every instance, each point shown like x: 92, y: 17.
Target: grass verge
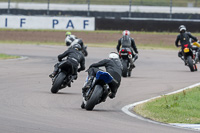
x: 5, y: 56
x: 182, y: 107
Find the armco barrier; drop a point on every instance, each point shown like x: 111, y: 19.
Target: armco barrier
x: 146, y: 24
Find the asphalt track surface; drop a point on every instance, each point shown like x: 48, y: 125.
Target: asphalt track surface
x: 28, y: 106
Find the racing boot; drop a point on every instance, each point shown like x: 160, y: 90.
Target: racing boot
x: 182, y: 58
x: 83, y: 105
x: 87, y: 85
x: 70, y: 79
x: 53, y: 74
x: 55, y: 71
x: 112, y: 95
x: 132, y: 66
x: 75, y: 76
x: 69, y: 84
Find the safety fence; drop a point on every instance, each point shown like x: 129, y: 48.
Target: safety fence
x: 178, y: 3
x: 99, y: 8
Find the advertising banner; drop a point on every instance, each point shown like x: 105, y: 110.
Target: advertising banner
x: 47, y: 22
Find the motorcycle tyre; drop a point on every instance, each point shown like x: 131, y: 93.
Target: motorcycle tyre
x: 58, y: 82
x: 94, y: 98
x: 125, y: 69
x: 195, y: 67
x: 190, y: 63
x: 129, y: 73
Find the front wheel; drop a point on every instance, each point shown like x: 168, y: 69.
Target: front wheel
x: 94, y: 98
x: 58, y: 82
x: 191, y: 64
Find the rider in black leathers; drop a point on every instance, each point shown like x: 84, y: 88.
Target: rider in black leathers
x: 74, y: 57
x: 83, y: 47
x: 184, y: 38
x: 70, y: 40
x: 127, y: 42
x: 113, y: 67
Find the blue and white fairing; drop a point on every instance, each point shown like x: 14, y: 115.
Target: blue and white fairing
x: 106, y: 77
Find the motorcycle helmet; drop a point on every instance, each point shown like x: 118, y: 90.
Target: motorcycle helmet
x: 68, y: 33
x: 125, y: 33
x: 76, y: 46
x: 80, y: 41
x: 182, y: 28
x: 113, y: 55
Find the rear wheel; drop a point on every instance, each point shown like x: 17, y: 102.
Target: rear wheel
x: 195, y: 67
x: 125, y: 69
x: 191, y: 64
x: 94, y: 98
x: 58, y: 82
x: 129, y: 73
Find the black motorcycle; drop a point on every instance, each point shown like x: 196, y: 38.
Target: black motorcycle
x: 189, y: 57
x: 63, y: 78
x: 98, y: 91
x: 125, y: 55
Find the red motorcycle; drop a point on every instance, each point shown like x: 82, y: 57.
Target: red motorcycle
x: 125, y: 55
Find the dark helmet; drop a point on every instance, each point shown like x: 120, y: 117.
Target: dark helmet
x: 182, y: 28
x: 76, y: 46
x: 80, y: 41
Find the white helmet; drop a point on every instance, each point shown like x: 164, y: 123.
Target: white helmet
x: 125, y: 33
x: 113, y: 55
x: 182, y: 27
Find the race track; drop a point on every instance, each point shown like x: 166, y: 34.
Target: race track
x: 27, y: 106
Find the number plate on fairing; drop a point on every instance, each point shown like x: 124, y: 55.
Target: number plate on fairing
x: 186, y: 50
x: 124, y: 53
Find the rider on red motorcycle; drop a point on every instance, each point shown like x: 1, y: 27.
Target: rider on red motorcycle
x: 127, y: 42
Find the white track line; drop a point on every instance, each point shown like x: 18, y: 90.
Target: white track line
x: 128, y: 109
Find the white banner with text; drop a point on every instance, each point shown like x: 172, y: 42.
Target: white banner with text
x: 45, y: 22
